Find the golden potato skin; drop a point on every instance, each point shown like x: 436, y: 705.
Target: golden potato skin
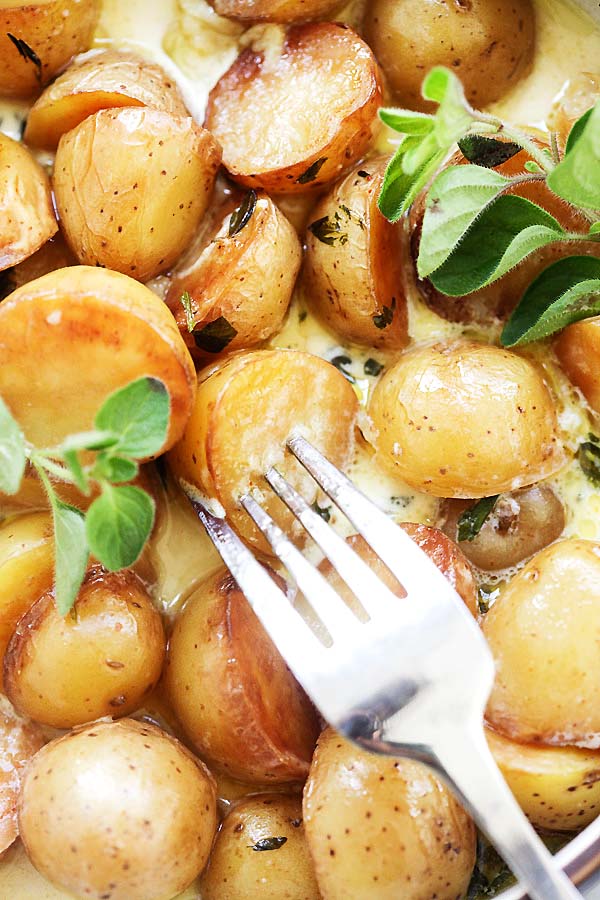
x: 464, y: 419
x: 578, y: 351
x: 543, y: 632
x: 137, y: 823
x: 381, y: 827
x: 105, y: 79
x: 488, y: 43
x: 131, y: 186
x: 235, y: 697
x: 579, y: 95
x: 294, y: 118
x: 19, y: 740
x: 275, y: 10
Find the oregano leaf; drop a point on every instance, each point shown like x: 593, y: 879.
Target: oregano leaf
x: 118, y: 524
x: 76, y: 469
x: 139, y: 414
x: 577, y: 178
x: 399, y: 190
x: 472, y: 519
x: 215, y: 336
x: 116, y: 469
x: 12, y: 452
x: 577, y: 130
x: 405, y: 121
x: 71, y: 553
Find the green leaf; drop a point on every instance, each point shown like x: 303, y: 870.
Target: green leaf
x: 139, y: 415
x: 118, y: 525
x: 406, y: 121
x: 595, y: 228
x: 454, y: 115
x: 214, y: 337
x: 577, y: 178
x: 116, y: 469
x: 487, y: 152
x: 472, y: 520
x: 89, y: 440
x: 73, y: 462
x: 533, y: 167
x: 12, y: 452
x: 71, y: 553
x: 577, y: 130
x: 399, y: 190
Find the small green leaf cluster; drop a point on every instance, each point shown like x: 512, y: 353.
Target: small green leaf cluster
x: 130, y: 426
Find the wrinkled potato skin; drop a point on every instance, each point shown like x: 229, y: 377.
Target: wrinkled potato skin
x: 135, y: 216
x: 237, y: 872
x: 235, y: 697
x: 143, y: 834
x: 321, y: 93
x: 275, y: 10
x: 465, y: 420
x: 19, y: 740
x: 544, y: 632
x: 578, y: 351
x: 55, y: 30
x: 579, y: 95
x: 352, y: 281
x: 379, y: 826
x: 106, y: 79
x: 487, y: 43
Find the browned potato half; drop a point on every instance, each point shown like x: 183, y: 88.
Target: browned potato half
x: 464, y: 419
x: 104, y: 79
x: 353, y: 271
x: 119, y: 809
x: 241, y: 284
x: 578, y: 351
x: 235, y: 697
x: 275, y: 10
x: 94, y: 331
x: 261, y: 853
x: 19, y: 740
x: 292, y: 117
x: 381, y: 827
x: 488, y: 43
x: 131, y: 186
x: 245, y: 412
x: 579, y: 95
x: 27, y: 217
x: 38, y: 39
x: 543, y: 632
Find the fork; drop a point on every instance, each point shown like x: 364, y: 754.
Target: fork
x: 410, y: 677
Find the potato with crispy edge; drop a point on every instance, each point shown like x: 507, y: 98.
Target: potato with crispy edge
x: 578, y: 351
x: 86, y: 332
x: 275, y: 10
x: 136, y: 823
x: 19, y: 740
x: 103, y: 79
x: 464, y: 419
x: 295, y: 115
x: 131, y: 186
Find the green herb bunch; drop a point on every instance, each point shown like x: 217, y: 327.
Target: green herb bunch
x: 131, y: 425
x: 474, y: 231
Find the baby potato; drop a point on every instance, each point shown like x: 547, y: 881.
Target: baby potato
x: 291, y: 117
x: 100, y: 661
x: 85, y: 332
x: 275, y: 10
x: 27, y: 217
x: 241, y: 284
x: 353, y: 272
x: 578, y: 351
x: 103, y: 79
x: 579, y: 95
x: 464, y: 419
x: 488, y: 43
x: 384, y: 828
x: 19, y: 740
x: 236, y: 699
x: 119, y: 810
x: 38, y: 39
x: 544, y: 632
x: 131, y: 186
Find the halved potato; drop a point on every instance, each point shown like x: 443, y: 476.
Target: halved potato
x: 579, y: 95
x: 275, y: 10
x: 578, y: 351
x: 293, y: 115
x: 19, y: 740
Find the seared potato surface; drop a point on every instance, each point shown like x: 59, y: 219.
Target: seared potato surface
x: 20, y: 739
x: 578, y: 351
x: 275, y: 10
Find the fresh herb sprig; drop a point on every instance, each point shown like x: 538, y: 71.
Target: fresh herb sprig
x: 131, y: 425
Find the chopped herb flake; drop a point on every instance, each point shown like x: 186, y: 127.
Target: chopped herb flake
x: 7, y: 282
x: 328, y: 230
x: 323, y: 511
x: 340, y: 362
x: 27, y: 53
x: 215, y: 336
x: 186, y: 302
x: 242, y: 215
x: 384, y: 318
x: 362, y: 173
x: 487, y: 152
x: 302, y: 315
x: 589, y: 460
x: 312, y: 171
x: 373, y: 367
x: 270, y: 843
x: 473, y: 519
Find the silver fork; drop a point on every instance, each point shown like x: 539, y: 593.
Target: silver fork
x: 409, y: 678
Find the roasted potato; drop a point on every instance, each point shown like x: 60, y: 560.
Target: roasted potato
x: 85, y: 332
x: 291, y: 117
x: 544, y: 632
x: 464, y: 419
x: 382, y: 827
x: 38, y: 39
x: 579, y: 95
x: 138, y: 214
x: 104, y: 79
x: 578, y: 351
x: 275, y: 10
x: 353, y: 274
x: 19, y: 740
x: 136, y: 823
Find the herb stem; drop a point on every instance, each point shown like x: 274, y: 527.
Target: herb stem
x: 42, y: 464
x: 554, y: 147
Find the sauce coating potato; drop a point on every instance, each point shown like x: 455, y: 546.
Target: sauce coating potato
x: 131, y: 186
x: 275, y: 10
x: 95, y: 329
x: 578, y: 351
x: 579, y: 95
x: 353, y: 269
x: 136, y: 823
x: 19, y: 740
x: 101, y: 661
x: 293, y: 116
x: 103, y: 79
x: 465, y: 420
x: 383, y: 827
x: 543, y: 632
x: 237, y: 701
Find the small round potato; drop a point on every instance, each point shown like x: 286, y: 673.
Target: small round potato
x: 353, y: 271
x: 19, y: 740
x: 488, y: 43
x: 544, y: 632
x: 579, y: 95
x: 293, y: 116
x: 275, y: 10
x: 235, y: 697
x: 131, y: 186
x: 119, y: 810
x: 103, y: 79
x: 464, y: 419
x: 383, y: 827
x: 578, y: 351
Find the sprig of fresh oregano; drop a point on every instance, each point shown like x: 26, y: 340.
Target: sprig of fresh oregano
x: 131, y: 425
x: 474, y: 231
